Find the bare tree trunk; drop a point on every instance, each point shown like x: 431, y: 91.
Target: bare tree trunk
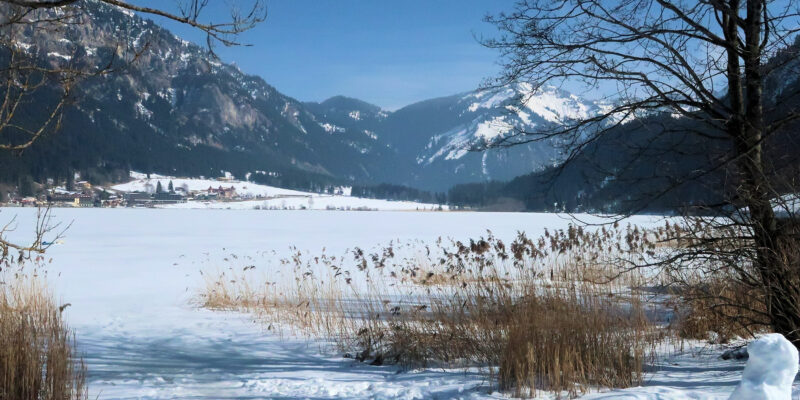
x: 777, y: 274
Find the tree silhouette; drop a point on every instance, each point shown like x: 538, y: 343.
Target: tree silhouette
x: 683, y: 70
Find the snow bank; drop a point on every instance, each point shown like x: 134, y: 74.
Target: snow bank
x: 770, y: 371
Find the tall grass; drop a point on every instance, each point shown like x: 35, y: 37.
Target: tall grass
x: 570, y: 342
x: 37, y: 350
x: 560, y: 313
x: 720, y: 310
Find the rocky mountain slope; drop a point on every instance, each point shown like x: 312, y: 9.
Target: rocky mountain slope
x: 436, y: 136
x: 636, y: 167
x: 176, y: 110
x: 428, y: 144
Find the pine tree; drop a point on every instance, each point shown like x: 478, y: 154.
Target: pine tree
x: 26, y: 186
x: 70, y: 186
x: 170, y: 187
x: 159, y: 188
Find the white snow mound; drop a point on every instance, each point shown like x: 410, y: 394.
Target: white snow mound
x: 770, y: 370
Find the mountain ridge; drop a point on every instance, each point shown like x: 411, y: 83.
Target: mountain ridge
x: 178, y: 111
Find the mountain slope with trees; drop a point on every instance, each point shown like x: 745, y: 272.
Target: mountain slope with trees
x: 177, y: 110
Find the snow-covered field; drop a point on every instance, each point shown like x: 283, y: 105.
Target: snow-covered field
x: 270, y: 197
x: 130, y: 275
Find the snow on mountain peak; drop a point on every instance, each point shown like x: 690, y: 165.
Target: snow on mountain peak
x: 493, y: 128
x: 555, y: 105
x: 495, y: 98
x: 495, y: 113
x: 549, y: 102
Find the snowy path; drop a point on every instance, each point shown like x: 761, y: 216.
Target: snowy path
x: 130, y: 275
x: 222, y: 356
x: 694, y: 375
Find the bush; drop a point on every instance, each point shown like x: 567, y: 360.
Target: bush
x: 719, y: 311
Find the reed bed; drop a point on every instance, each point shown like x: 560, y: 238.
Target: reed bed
x: 37, y: 350
x: 719, y: 311
x: 561, y: 313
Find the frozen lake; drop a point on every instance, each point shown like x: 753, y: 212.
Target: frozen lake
x: 119, y: 261
x: 130, y: 275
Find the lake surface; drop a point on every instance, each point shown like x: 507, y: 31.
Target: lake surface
x: 131, y: 275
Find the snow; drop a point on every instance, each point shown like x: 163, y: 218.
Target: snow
x: 495, y: 98
x: 523, y: 116
x: 310, y: 202
x: 371, y: 134
x: 22, y: 45
x: 130, y: 275
x: 142, y: 111
x: 507, y: 109
x: 496, y: 127
x: 270, y: 197
x: 548, y: 102
x: 770, y: 370
x: 330, y: 128
x: 460, y: 140
x: 125, y: 11
x: 787, y: 205
x: 59, y: 55
x: 554, y: 105
x: 242, y: 188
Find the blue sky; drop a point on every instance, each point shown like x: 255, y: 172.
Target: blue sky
x: 390, y: 53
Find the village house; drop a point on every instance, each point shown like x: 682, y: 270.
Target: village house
x: 134, y: 199
x: 70, y: 199
x: 112, y: 201
x: 168, y: 198
x: 222, y: 193
x: 137, y: 198
x: 84, y: 200
x: 61, y: 197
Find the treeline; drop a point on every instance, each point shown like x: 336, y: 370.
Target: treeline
x: 101, y: 161
x: 398, y: 192
x: 103, y: 147
x: 297, y: 180
x: 493, y: 195
x: 476, y: 195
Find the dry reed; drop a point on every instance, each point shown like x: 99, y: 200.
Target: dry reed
x: 37, y: 356
x: 561, y: 313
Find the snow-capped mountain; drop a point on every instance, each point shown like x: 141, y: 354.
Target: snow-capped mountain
x: 436, y: 137
x: 506, y: 111
x: 176, y: 110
